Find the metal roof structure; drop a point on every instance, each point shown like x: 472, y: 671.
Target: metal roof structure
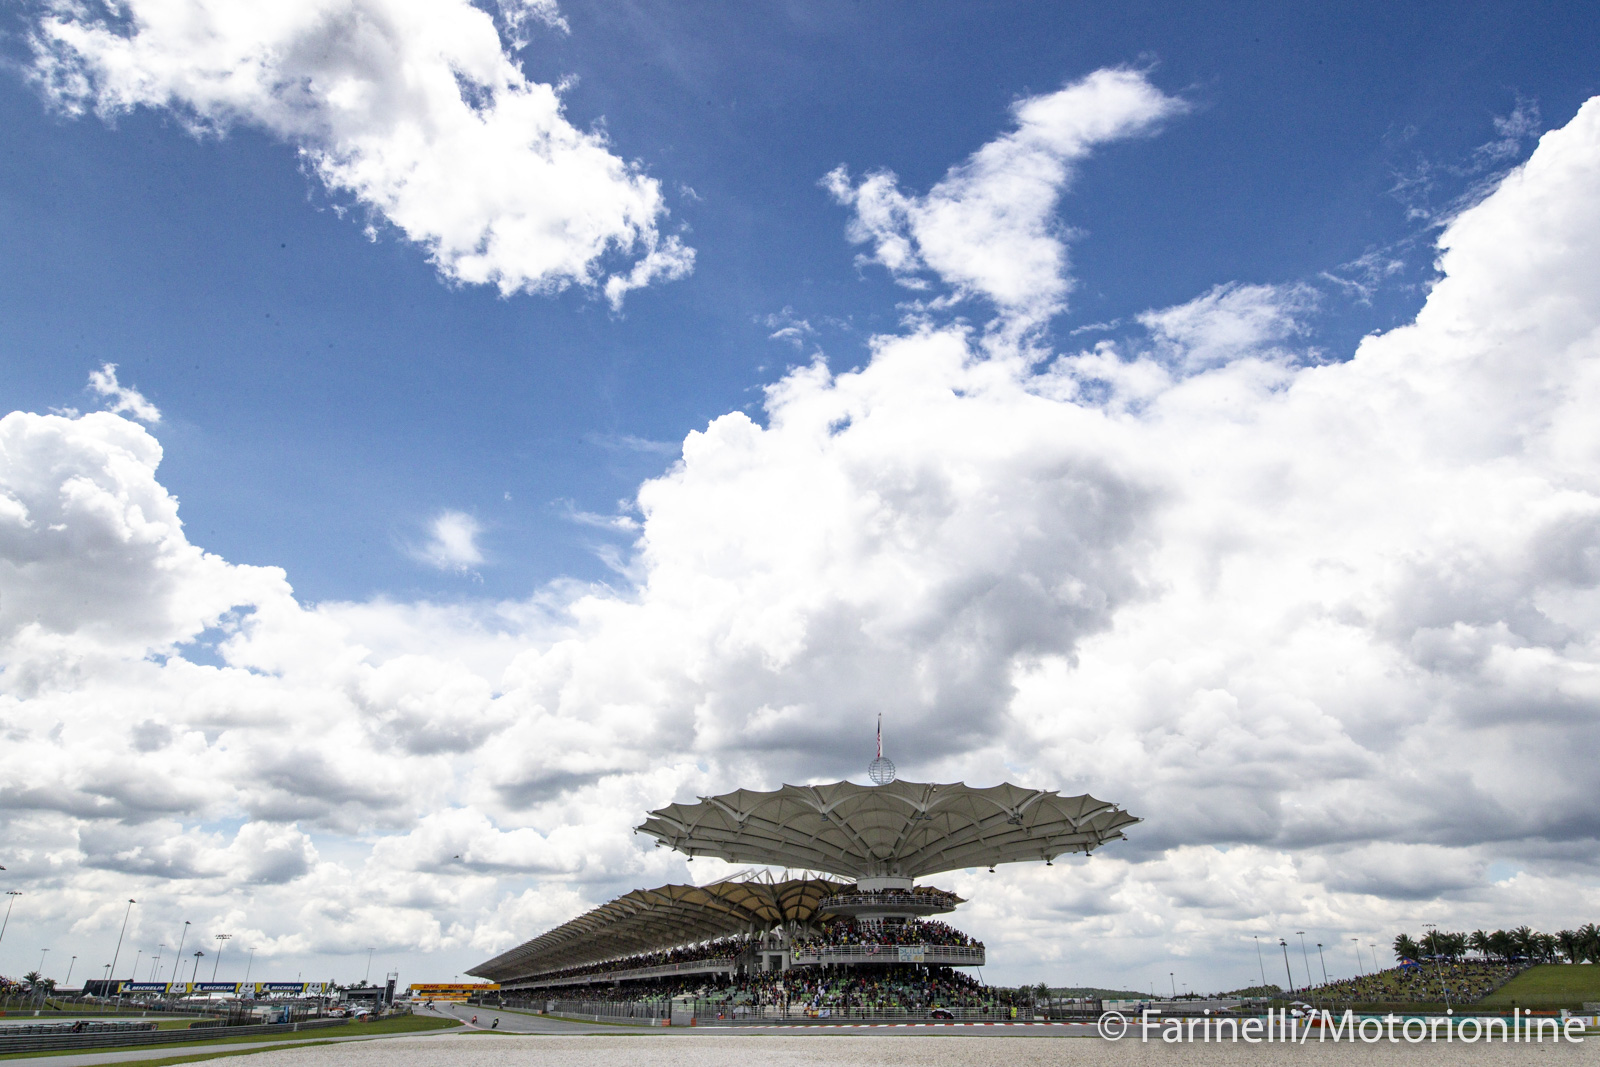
x: 898, y: 830
x: 646, y: 920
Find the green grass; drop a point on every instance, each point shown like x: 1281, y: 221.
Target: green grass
x: 402, y: 1024
x: 1548, y: 985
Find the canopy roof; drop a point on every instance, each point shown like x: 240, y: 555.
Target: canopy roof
x: 650, y: 919
x: 898, y: 830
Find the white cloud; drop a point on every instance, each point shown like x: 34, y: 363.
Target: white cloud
x: 452, y: 543
x: 989, y: 226
x: 124, y: 398
x: 516, y: 14
x: 92, y: 552
x: 1332, y: 629
x: 1229, y: 322
x: 787, y: 326
x: 664, y: 259
x: 414, y: 110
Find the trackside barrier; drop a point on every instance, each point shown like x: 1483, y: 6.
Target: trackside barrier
x: 618, y: 1019
x: 102, y: 1039
x: 635, y: 1013
x: 79, y: 1027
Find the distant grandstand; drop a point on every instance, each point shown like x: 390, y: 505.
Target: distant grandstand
x: 845, y: 924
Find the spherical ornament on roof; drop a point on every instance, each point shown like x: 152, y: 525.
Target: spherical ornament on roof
x: 881, y: 771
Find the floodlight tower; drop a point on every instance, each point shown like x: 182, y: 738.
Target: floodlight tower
x: 222, y: 942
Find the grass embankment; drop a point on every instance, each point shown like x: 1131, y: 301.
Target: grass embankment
x: 1380, y: 1007
x: 1548, y: 986
x: 400, y: 1024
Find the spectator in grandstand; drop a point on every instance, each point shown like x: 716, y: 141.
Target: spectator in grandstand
x: 913, y: 932
x: 896, y: 989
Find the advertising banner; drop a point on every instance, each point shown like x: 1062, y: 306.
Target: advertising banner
x: 911, y: 954
x: 144, y: 987
x: 216, y: 987
x: 280, y: 987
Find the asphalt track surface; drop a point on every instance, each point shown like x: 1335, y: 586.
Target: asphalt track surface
x: 161, y: 1052
x: 514, y: 1022
x: 521, y: 1023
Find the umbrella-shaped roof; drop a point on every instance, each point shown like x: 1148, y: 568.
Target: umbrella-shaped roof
x: 898, y: 830
x: 649, y: 919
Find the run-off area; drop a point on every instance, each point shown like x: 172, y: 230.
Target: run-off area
x: 977, y: 1047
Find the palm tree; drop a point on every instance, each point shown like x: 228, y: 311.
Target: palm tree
x: 1568, y: 940
x: 1479, y: 942
x: 1405, y: 948
x: 1524, y: 938
x: 1589, y: 934
x: 1502, y: 944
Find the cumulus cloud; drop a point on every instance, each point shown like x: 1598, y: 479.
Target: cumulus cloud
x: 415, y: 111
x: 123, y: 398
x: 452, y: 543
x: 92, y: 552
x: 1330, y: 627
x: 989, y: 227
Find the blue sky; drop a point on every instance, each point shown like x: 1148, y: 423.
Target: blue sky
x: 327, y: 394
x: 1192, y: 407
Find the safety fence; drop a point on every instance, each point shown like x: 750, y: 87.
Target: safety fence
x: 645, y: 1013
x: 103, y: 1038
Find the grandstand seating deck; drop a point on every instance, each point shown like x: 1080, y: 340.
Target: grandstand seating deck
x: 897, y: 989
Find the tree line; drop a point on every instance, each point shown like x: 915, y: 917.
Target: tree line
x: 1523, y: 943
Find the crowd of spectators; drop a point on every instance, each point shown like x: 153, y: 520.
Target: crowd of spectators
x: 1462, y: 967
x: 924, y: 893
x: 836, y: 932
x: 30, y: 984
x: 1427, y: 982
x: 910, y: 932
x: 812, y: 990
x: 903, y: 988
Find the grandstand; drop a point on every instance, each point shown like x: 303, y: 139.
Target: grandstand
x: 843, y: 925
